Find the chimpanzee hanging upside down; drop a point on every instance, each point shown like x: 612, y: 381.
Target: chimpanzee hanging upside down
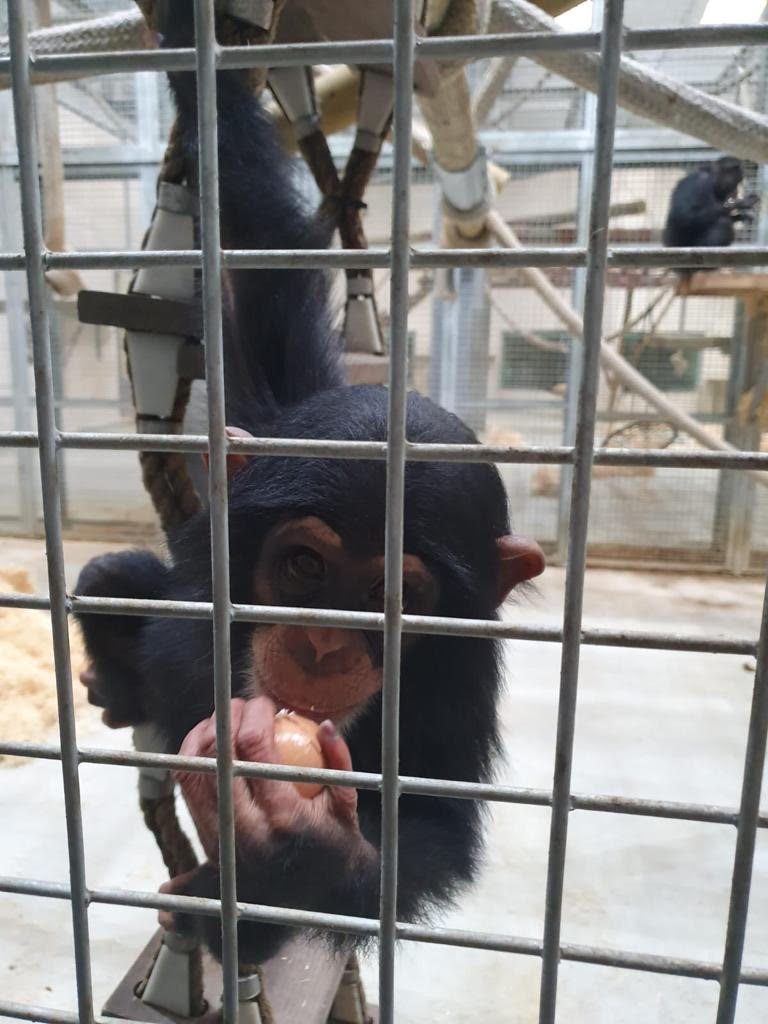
x: 310, y: 533
x: 705, y: 205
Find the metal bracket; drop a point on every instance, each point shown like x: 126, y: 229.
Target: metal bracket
x: 374, y: 110
x: 168, y: 985
x: 362, y: 331
x: 294, y: 91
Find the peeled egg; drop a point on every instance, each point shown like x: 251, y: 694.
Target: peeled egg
x: 297, y: 744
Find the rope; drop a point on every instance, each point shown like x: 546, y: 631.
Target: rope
x: 167, y: 480
x: 178, y: 856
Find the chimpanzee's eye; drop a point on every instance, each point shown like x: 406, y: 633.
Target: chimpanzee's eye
x: 377, y: 596
x: 303, y: 566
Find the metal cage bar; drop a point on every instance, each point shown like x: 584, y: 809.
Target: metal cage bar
x: 382, y: 51
x: 208, y: 144
x: 32, y: 227
x: 435, y: 625
x: 610, y: 59
x: 395, y: 496
x: 754, y: 762
x: 306, y: 449
x: 423, y: 257
x: 492, y: 793
x: 205, y: 58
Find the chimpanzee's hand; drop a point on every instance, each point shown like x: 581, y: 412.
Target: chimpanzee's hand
x: 118, y: 709
x: 266, y: 809
x: 291, y: 851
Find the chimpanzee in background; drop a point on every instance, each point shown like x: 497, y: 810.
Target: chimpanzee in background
x: 310, y: 532
x: 705, y: 205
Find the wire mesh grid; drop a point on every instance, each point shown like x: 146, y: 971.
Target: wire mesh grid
x: 50, y: 442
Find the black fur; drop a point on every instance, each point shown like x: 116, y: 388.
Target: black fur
x: 704, y: 206
x: 284, y: 380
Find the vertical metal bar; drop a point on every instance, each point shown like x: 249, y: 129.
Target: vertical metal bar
x: 393, y: 548
x: 31, y: 216
x: 16, y: 323
x: 437, y: 329
x: 473, y: 310
x: 754, y: 761
x: 575, y: 353
x: 610, y: 56
x: 206, y: 49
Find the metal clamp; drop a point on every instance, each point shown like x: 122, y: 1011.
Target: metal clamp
x: 465, y: 193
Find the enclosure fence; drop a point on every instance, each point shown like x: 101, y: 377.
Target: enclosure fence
x: 401, y: 51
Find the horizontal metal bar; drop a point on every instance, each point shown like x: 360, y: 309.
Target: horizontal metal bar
x: 465, y: 939
x: 427, y: 257
x: 599, y: 803
x: 49, y: 1015
x: 662, y: 458
x: 380, y: 51
x: 426, y: 625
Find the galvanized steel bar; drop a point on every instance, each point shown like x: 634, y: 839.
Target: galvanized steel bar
x: 424, y: 257
x: 464, y: 939
x: 381, y: 51
x: 31, y: 216
x: 610, y: 59
x: 403, y: 40
x: 599, y: 803
x: 206, y: 49
x: 426, y: 625
x: 749, y: 812
x: 670, y: 458
x: 48, y: 1015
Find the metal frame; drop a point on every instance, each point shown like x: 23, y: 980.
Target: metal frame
x: 50, y: 442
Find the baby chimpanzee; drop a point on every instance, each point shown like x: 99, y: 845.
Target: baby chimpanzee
x: 310, y: 533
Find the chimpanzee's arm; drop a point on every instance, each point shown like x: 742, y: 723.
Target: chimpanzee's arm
x: 300, y: 870
x: 112, y: 641
x: 280, y: 345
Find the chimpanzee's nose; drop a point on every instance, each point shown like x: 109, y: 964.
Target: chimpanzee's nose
x: 326, y: 640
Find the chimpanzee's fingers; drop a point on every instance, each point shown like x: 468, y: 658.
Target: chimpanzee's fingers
x: 255, y: 741
x: 199, y: 788
x: 174, y: 886
x: 337, y: 756
x: 90, y: 681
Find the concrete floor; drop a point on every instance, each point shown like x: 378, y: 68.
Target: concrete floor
x: 651, y: 724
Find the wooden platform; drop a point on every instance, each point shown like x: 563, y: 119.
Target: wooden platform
x: 721, y: 284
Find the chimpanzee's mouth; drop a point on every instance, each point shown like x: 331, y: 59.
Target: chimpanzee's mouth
x: 315, y: 713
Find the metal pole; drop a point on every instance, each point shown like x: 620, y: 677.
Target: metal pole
x: 31, y: 216
x: 393, y: 546
x: 206, y: 50
x: 16, y: 322
x: 575, y: 353
x: 473, y: 316
x: 754, y: 761
x: 582, y: 470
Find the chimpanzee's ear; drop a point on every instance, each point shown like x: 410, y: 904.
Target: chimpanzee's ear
x: 520, y: 559
x: 235, y: 461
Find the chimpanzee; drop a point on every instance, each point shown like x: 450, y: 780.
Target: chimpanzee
x: 705, y: 205
x: 310, y: 533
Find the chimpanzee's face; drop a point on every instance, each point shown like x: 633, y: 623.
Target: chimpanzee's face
x: 729, y: 174
x: 325, y: 671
